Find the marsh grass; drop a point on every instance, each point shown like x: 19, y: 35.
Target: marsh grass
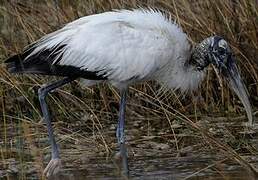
x: 82, y: 116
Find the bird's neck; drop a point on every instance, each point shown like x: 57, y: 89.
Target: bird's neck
x: 182, y: 77
x: 199, y: 55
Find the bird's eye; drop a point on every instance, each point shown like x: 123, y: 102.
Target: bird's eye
x: 221, y: 50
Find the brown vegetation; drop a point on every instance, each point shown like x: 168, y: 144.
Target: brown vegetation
x: 94, y: 109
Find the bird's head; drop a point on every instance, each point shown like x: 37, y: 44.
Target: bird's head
x: 215, y: 50
x: 212, y: 50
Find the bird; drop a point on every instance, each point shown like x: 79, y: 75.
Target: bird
x: 124, y: 47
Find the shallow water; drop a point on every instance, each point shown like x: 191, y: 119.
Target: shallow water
x: 162, y: 166
x: 152, y: 151
x: 165, y: 167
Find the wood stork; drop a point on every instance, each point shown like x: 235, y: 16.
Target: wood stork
x: 124, y: 47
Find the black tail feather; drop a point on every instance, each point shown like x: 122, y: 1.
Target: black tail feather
x: 15, y: 64
x: 42, y: 63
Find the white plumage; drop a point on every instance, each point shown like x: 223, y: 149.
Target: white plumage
x: 126, y: 47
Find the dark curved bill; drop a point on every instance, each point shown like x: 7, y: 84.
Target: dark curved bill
x: 233, y: 77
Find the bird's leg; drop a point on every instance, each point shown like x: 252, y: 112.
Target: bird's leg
x: 121, y: 118
x: 54, y: 165
x: 120, y: 133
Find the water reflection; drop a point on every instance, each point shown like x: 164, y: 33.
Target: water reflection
x: 160, y: 167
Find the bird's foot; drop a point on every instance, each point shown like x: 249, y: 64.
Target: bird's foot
x: 118, y: 156
x: 249, y: 128
x: 122, y: 153
x: 53, y: 167
x: 121, y: 160
x: 250, y: 125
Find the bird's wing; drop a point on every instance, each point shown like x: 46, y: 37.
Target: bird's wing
x: 110, y: 44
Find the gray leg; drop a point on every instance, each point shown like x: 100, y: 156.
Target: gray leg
x: 55, y: 163
x: 120, y: 133
x: 121, y: 119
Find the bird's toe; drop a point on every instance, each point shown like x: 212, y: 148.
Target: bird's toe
x: 250, y: 125
x: 53, y: 167
x: 118, y: 156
